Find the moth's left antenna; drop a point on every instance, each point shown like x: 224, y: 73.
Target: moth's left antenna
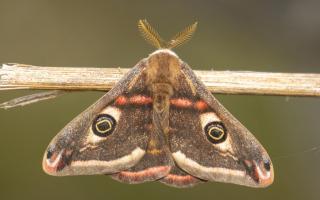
x: 150, y: 34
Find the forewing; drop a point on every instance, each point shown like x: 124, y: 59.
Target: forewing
x: 235, y: 157
x: 122, y: 116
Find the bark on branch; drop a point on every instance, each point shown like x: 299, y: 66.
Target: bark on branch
x: 19, y: 76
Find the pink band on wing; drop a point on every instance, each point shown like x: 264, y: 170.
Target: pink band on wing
x: 180, y: 180
x: 121, y: 100
x: 151, y: 173
x: 184, y: 103
x: 201, y: 105
x: 139, y: 99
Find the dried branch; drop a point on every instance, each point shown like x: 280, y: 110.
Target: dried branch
x: 18, y: 76
x: 32, y: 98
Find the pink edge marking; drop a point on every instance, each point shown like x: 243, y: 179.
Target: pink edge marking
x: 183, y: 180
x: 183, y: 103
x: 153, y: 172
x: 52, y: 164
x: 139, y: 99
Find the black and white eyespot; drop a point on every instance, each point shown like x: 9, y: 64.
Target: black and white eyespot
x: 215, y: 132
x: 103, y: 125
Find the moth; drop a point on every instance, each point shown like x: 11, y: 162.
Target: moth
x: 160, y: 123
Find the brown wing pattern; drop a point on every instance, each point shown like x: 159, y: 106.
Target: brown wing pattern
x: 122, y: 118
x: 197, y: 122
x: 117, y: 136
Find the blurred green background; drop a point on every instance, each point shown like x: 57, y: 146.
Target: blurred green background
x: 273, y: 36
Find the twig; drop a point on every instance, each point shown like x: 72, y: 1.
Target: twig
x: 18, y: 76
x: 32, y: 98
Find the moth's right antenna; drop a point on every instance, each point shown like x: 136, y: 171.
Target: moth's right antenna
x: 182, y: 37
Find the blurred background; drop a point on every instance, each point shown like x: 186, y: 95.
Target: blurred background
x: 272, y: 36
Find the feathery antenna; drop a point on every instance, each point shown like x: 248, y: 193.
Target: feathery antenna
x: 183, y: 36
x: 152, y: 36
